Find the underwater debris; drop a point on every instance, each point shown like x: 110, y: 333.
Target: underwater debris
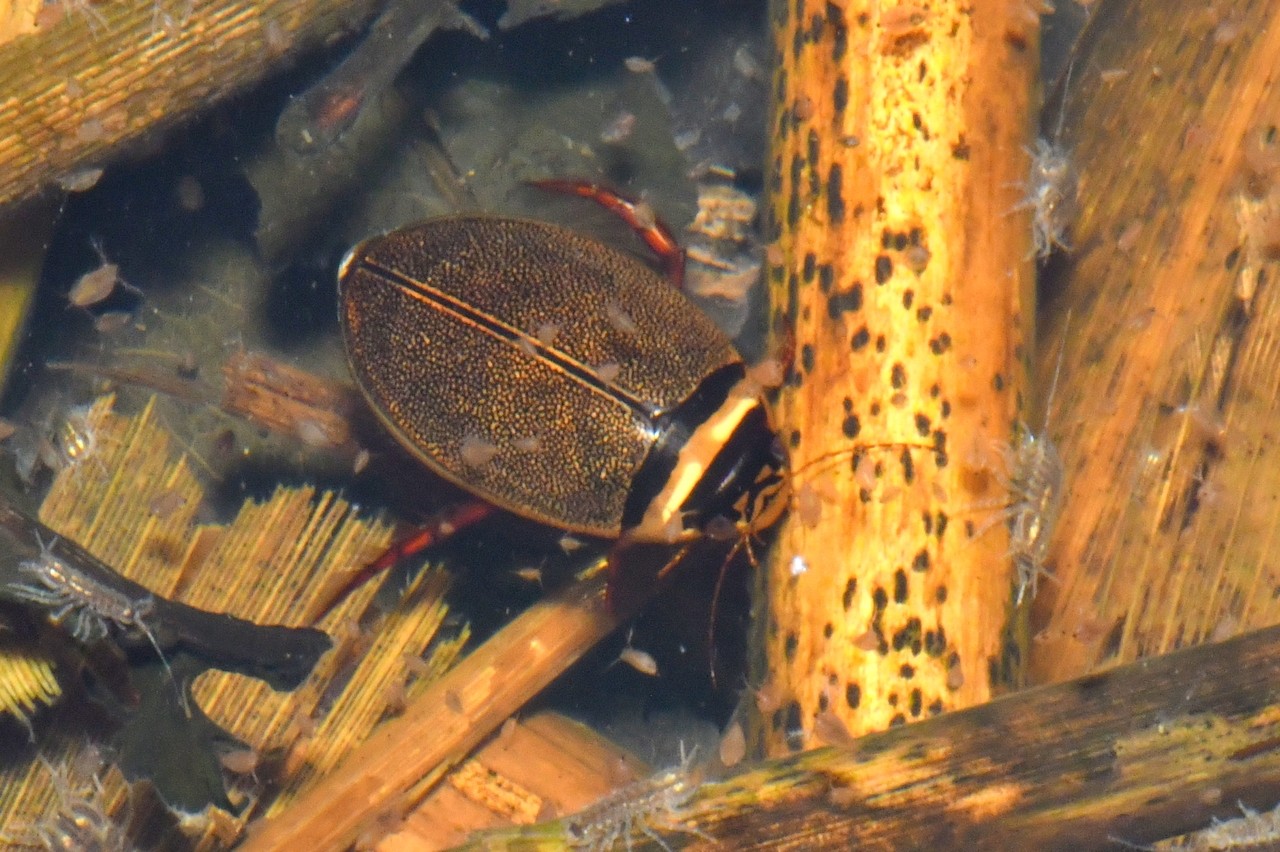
x: 321, y: 115
x: 91, y: 607
x: 282, y: 656
x: 80, y: 819
x: 26, y: 683
x: 649, y: 806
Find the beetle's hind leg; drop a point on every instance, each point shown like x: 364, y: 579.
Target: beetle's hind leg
x: 638, y: 215
x: 458, y: 518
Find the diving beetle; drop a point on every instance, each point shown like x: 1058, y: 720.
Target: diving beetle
x: 560, y: 379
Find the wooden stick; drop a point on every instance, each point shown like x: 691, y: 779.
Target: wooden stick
x: 1139, y: 753
x: 282, y: 656
x: 79, y: 91
x: 1168, y: 397
x: 449, y: 719
x: 902, y: 262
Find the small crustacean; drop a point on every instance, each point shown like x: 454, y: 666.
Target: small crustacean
x: 1050, y: 190
x: 1035, y: 485
x: 649, y: 806
x: 1051, y: 196
x: 79, y: 819
x: 85, y: 604
x: 1031, y: 476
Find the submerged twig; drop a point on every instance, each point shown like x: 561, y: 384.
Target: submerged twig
x: 282, y: 656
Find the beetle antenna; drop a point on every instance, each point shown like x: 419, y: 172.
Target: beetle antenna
x: 743, y: 543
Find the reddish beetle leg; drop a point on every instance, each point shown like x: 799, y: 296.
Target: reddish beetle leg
x: 457, y: 518
x: 637, y: 214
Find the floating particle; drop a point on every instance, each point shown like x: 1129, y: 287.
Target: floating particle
x: 190, y: 194
x: 641, y: 661
x: 917, y: 258
x: 395, y: 696
x: 843, y: 797
x: 415, y: 665
x: 1227, y: 31
x: 868, y: 641
x: 799, y: 566
x: 361, y: 461
x: 608, y: 371
x: 901, y: 20
x: 547, y: 333
x: 274, y: 35
x: 639, y: 65
x: 477, y: 452
x: 6, y: 429
x: 90, y: 130
x: 733, y: 745
x: 112, y: 321
x: 686, y: 139
x: 620, y: 320
x: 864, y: 473
x: 164, y: 504
x: 829, y: 729
x: 808, y: 506
x: 529, y: 574
x: 80, y: 180
x: 1129, y: 236
x: 569, y: 544
x: 769, y: 697
x: 767, y: 374
x: 746, y: 64
x: 529, y: 444
x: 619, y: 128
x: 313, y: 433
x: 240, y: 761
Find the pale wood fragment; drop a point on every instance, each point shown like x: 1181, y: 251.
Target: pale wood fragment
x: 408, y: 755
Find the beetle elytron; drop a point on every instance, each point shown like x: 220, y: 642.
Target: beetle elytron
x: 559, y: 379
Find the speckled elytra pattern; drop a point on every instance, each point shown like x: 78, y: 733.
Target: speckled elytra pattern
x: 522, y: 361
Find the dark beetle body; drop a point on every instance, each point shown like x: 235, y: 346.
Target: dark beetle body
x: 556, y: 378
